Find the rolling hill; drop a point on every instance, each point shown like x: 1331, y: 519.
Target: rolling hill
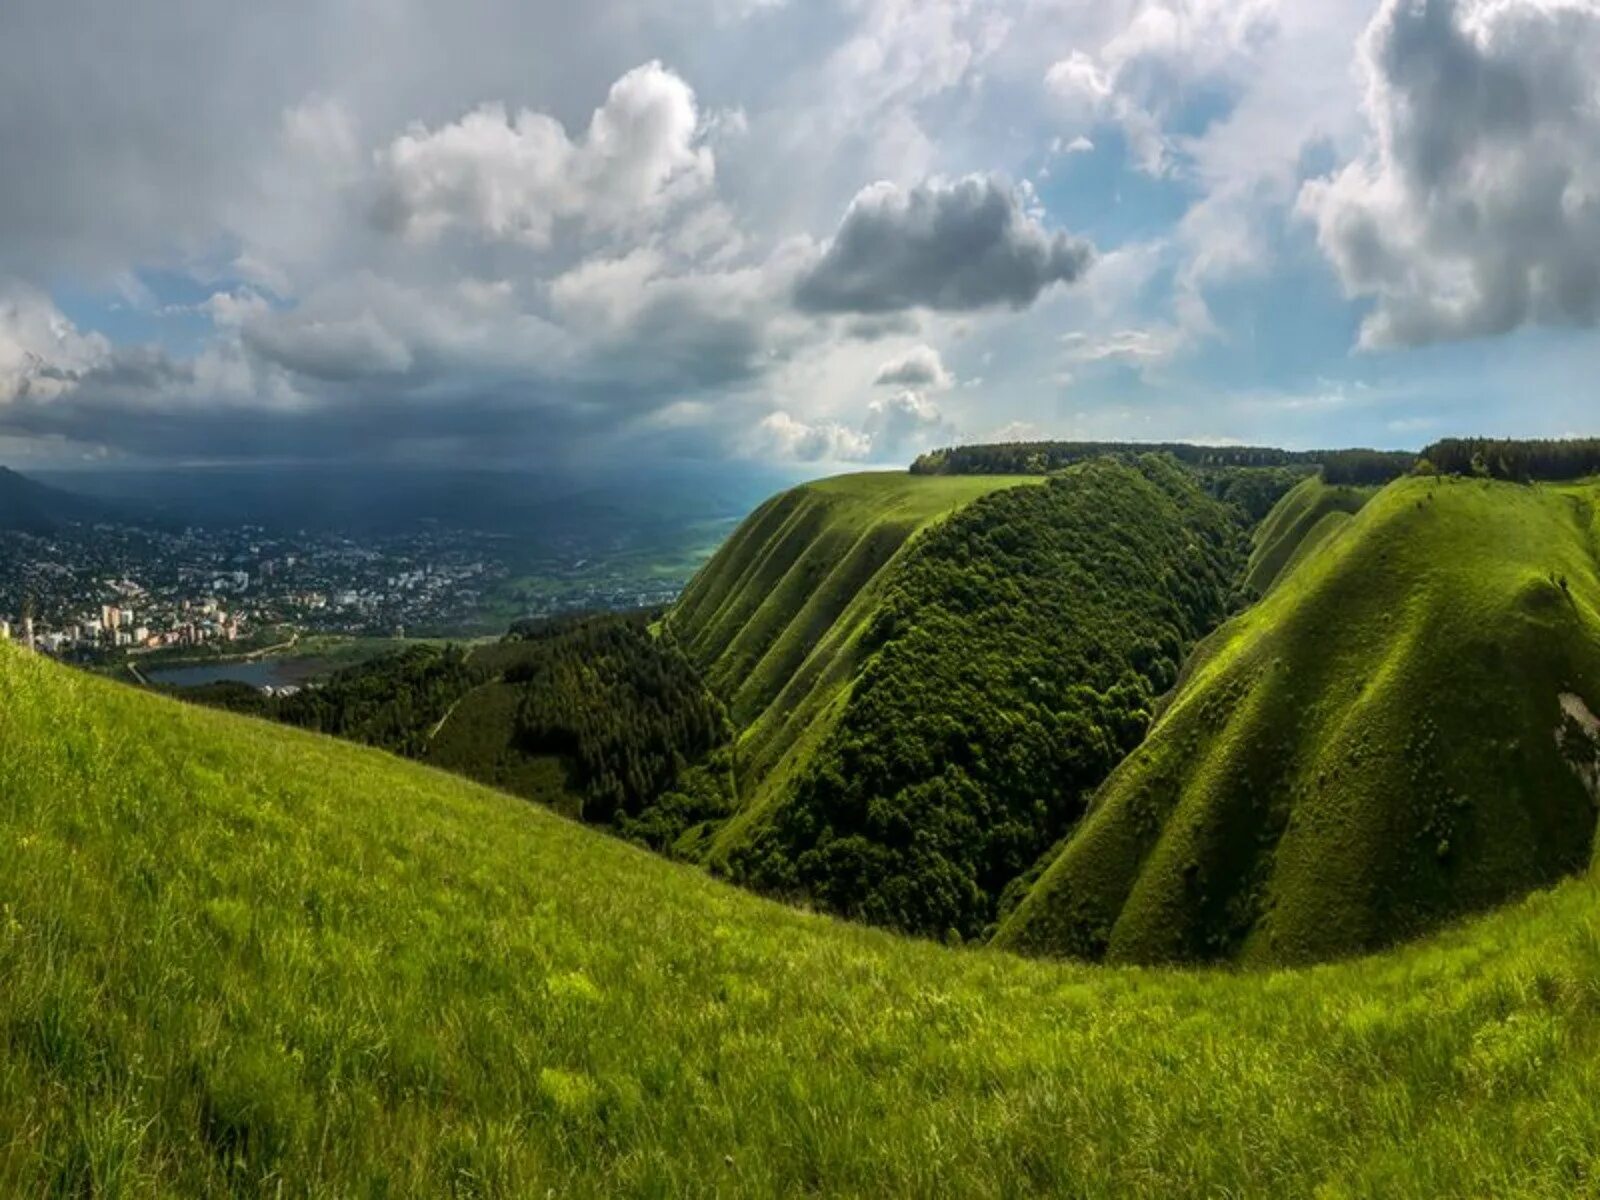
x: 239, y: 959
x: 924, y: 704
x: 1400, y: 733
x: 776, y: 617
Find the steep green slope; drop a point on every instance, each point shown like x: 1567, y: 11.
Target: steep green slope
x: 1013, y: 659
x: 238, y: 959
x: 775, y: 619
x: 1300, y: 522
x: 1397, y: 735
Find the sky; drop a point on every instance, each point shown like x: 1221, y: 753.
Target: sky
x: 818, y: 232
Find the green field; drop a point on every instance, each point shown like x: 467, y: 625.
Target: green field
x: 1392, y: 738
x: 242, y: 960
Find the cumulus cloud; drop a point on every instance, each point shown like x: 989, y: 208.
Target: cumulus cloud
x: 514, y: 177
x: 787, y: 439
x: 1476, y: 208
x: 904, y: 422
x: 955, y: 246
x: 1140, y: 77
x: 919, y: 367
x: 42, y: 354
x: 895, y: 426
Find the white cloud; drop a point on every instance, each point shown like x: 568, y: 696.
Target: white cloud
x: 1139, y: 78
x: 514, y: 177
x: 1138, y: 347
x: 42, y: 354
x: 904, y: 423
x: 784, y: 438
x: 1476, y: 207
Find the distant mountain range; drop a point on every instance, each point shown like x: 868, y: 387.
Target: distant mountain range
x: 364, y: 498
x: 33, y: 507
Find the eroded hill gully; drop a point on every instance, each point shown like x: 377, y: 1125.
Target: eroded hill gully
x: 1363, y: 755
x: 1009, y: 657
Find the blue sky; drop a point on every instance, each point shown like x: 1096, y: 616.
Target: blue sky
x: 830, y: 233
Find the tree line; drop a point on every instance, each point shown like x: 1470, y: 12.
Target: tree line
x: 1357, y: 466
x: 1521, y: 461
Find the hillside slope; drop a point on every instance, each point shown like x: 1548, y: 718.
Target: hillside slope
x: 1397, y: 735
x: 775, y: 618
x: 1013, y: 658
x: 238, y: 960
x: 1312, y: 512
x: 32, y: 507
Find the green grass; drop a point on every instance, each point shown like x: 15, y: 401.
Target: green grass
x: 776, y: 618
x: 1376, y: 747
x: 237, y: 959
x: 1301, y: 521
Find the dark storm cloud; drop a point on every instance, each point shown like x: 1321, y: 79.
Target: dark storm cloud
x: 508, y: 422
x: 955, y: 247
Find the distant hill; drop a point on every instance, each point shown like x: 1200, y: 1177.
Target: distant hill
x: 1399, y: 734
x: 32, y: 507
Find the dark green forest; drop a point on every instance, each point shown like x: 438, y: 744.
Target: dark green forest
x: 1517, y: 461
x: 618, y: 706
x: 392, y: 702
x: 1041, y: 458
x: 618, y: 702
x: 1017, y: 659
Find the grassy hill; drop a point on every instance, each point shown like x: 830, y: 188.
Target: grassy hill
x: 1011, y: 658
x: 1399, y: 734
x: 238, y: 959
x: 776, y: 618
x: 1311, y: 513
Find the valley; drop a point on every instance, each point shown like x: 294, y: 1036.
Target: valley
x: 1273, y: 797
x: 1139, y: 709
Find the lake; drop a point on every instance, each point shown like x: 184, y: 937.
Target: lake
x: 258, y: 673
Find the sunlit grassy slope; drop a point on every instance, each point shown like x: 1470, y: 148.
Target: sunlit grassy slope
x: 238, y: 959
x: 775, y: 619
x: 1300, y: 522
x: 1379, y: 745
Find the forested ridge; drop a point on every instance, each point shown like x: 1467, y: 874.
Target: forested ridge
x: 1518, y: 461
x: 620, y: 704
x: 1014, y: 662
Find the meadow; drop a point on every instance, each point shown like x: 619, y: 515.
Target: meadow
x: 239, y: 959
